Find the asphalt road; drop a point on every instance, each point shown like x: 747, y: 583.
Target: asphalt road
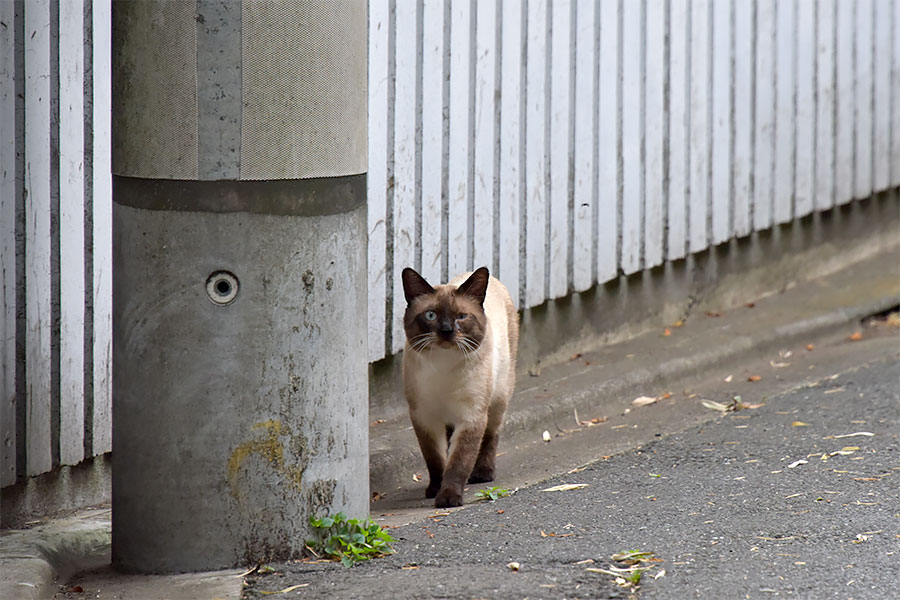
x: 797, y: 498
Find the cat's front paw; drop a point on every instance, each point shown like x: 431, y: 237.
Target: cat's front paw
x: 447, y: 498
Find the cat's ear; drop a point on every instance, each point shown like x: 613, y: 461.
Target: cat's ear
x: 475, y: 286
x: 414, y: 285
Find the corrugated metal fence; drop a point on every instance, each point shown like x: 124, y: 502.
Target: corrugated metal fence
x: 563, y: 142
x: 560, y: 143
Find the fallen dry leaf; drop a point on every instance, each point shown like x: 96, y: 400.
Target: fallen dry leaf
x: 667, y: 332
x: 666, y: 396
x: 376, y: 496
x: 856, y: 336
x: 710, y: 313
x: 799, y: 424
x: 779, y: 365
x: 678, y: 323
x: 285, y: 590
x: 417, y: 477
x: 716, y: 405
x: 810, y: 347
x: 565, y: 487
x: 643, y: 401
x: 754, y: 378
x: 379, y: 421
x: 575, y: 356
x: 846, y: 435
x: 750, y: 304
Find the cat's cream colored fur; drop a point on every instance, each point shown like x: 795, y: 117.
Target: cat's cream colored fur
x: 458, y: 384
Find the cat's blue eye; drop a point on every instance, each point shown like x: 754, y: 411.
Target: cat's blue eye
x: 430, y: 315
x: 461, y: 316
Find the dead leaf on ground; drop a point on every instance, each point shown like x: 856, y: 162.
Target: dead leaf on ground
x: 565, y: 487
x: 713, y: 314
x: 376, y: 496
x: 644, y: 400
x: 810, y: 347
x: 754, y: 378
x: 847, y: 435
x: 750, y: 304
x: 667, y: 332
x: 856, y: 336
x: 799, y: 424
x: 417, y: 477
x: 551, y: 534
x: 379, y: 421
x: 285, y: 590
x: 779, y: 365
x: 678, y: 323
x: 575, y: 356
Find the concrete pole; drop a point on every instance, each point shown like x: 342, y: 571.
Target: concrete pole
x: 240, y: 393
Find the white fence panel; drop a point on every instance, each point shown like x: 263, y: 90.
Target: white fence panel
x: 433, y: 86
x: 561, y: 80
x: 655, y: 136
x: 583, y: 242
x: 38, y: 237
x: 881, y: 155
x: 845, y: 117
x: 862, y: 164
x: 377, y: 183
x: 722, y: 93
x: 805, y: 101
x: 679, y: 117
x: 631, y: 203
x: 764, y: 148
x: 608, y: 143
x: 742, y: 162
x: 8, y: 254
x: 512, y: 129
x: 825, y: 104
x: 71, y: 231
x: 536, y: 167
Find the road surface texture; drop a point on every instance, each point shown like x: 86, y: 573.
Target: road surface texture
x: 795, y: 495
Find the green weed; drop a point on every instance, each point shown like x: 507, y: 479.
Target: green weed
x: 490, y: 494
x: 349, y: 540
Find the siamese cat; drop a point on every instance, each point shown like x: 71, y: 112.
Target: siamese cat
x: 458, y: 375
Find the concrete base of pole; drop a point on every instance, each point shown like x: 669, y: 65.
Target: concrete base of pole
x: 240, y: 378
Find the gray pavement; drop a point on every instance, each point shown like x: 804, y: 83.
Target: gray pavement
x: 714, y: 354
x: 760, y: 503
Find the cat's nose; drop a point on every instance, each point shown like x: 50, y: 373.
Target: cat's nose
x: 445, y: 329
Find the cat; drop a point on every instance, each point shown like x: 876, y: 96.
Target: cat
x: 459, y: 368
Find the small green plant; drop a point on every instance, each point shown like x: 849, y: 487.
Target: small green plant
x: 490, y: 494
x: 349, y: 540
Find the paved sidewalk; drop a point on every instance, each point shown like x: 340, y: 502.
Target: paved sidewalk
x: 603, y: 383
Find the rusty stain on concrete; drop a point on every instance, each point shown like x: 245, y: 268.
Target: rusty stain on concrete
x: 269, y: 447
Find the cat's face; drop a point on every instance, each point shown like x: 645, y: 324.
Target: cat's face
x: 445, y: 317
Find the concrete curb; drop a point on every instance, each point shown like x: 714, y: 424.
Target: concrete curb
x: 776, y: 322
x: 34, y: 560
